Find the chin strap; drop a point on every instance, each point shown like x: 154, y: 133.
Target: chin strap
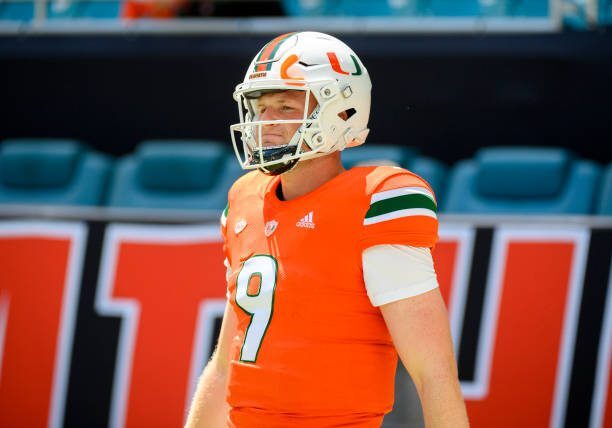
x: 272, y: 154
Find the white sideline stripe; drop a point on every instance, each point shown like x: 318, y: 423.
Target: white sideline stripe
x: 410, y: 212
x: 387, y: 194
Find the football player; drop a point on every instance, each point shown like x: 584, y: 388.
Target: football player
x: 329, y: 271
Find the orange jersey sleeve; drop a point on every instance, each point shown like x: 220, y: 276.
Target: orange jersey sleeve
x: 402, y: 209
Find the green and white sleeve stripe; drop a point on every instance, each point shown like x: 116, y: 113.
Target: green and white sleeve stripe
x: 224, y: 216
x: 401, y: 202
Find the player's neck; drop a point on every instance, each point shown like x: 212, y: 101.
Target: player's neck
x: 310, y: 174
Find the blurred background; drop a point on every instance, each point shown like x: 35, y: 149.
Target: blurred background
x: 115, y: 157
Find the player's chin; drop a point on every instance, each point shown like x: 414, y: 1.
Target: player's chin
x: 273, y: 141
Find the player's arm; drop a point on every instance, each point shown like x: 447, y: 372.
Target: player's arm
x: 209, y: 408
x: 401, y: 281
x: 420, y: 331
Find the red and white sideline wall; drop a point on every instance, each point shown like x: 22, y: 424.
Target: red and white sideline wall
x: 107, y: 320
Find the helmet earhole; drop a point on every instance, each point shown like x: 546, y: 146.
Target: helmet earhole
x: 346, y: 114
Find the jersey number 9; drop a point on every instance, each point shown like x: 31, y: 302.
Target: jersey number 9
x: 257, y: 305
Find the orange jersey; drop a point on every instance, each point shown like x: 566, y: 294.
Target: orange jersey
x: 310, y: 349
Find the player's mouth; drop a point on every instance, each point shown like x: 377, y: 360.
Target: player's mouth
x: 272, y: 140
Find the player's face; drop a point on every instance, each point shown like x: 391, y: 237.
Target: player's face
x: 285, y: 105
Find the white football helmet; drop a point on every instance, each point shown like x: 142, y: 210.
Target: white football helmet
x: 320, y: 65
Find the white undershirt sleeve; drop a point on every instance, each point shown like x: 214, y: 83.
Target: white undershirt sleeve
x: 395, y: 272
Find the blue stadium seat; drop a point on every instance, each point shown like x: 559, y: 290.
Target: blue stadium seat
x: 454, y: 8
x: 56, y: 172
x: 434, y: 171
x: 380, y: 154
x: 16, y: 11
x: 605, y: 200
x: 528, y: 8
x: 605, y: 12
x: 96, y: 9
x: 380, y: 7
x: 577, y: 14
x: 309, y: 7
x: 175, y: 174
x: 499, y: 8
x: 515, y: 180
x: 431, y: 170
x: 103, y: 9
x: 62, y: 9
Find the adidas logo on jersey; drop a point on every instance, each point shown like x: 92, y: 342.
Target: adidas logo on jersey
x: 306, y: 221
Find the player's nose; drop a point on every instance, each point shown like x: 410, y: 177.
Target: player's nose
x: 266, y: 115
x: 269, y: 114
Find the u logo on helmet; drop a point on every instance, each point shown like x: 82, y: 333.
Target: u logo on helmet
x: 335, y: 63
x: 291, y: 59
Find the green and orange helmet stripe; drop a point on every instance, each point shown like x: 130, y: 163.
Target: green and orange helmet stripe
x: 265, y: 58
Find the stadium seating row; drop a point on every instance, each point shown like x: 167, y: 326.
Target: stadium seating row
x: 23, y: 10
x: 454, y: 8
x: 197, y: 175
x: 577, y: 13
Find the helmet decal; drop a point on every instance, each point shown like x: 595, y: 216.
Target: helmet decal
x: 335, y: 63
x: 266, y: 55
x: 292, y: 59
x: 357, y: 66
x: 333, y: 60
x: 257, y: 75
